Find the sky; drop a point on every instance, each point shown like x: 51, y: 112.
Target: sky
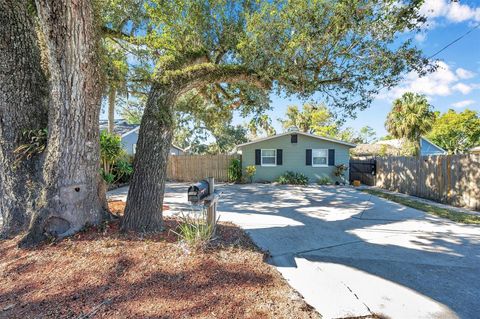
x: 455, y: 84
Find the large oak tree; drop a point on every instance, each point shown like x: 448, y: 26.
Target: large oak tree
x: 238, y: 52
x: 23, y: 114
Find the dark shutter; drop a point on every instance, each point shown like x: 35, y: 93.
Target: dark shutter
x: 294, y: 138
x: 308, y: 158
x: 331, y: 157
x: 258, y: 155
x: 279, y: 157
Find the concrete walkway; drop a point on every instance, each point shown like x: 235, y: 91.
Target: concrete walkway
x: 353, y: 254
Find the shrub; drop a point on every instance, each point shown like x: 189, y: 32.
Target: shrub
x: 194, y: 230
x: 110, y: 151
x: 292, y: 178
x: 324, y: 181
x: 122, y: 170
x: 340, y: 170
x: 250, y: 171
x: 235, y: 170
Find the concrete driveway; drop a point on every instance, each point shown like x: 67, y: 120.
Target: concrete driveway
x: 352, y: 254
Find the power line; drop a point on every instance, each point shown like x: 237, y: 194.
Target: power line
x: 454, y: 41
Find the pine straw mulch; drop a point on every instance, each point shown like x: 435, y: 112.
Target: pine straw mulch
x: 101, y: 273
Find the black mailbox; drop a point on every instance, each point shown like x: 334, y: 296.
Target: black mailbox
x: 198, y: 191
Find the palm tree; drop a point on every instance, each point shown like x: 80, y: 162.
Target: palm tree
x: 410, y: 118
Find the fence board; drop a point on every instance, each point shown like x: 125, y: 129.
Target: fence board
x: 450, y: 179
x: 187, y: 168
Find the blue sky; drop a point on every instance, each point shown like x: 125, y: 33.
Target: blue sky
x: 456, y: 83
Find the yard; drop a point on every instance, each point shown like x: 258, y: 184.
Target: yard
x: 103, y: 274
x: 351, y: 254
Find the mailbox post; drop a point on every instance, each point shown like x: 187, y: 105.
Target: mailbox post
x: 204, y: 192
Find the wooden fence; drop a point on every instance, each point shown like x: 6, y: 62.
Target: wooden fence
x: 450, y: 179
x: 186, y: 168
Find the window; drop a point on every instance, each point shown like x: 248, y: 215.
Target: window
x: 269, y: 157
x: 319, y: 158
x: 134, y: 148
x: 294, y: 138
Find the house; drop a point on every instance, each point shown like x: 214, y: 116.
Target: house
x: 129, y: 135
x: 427, y: 147
x: 313, y: 155
x: 475, y: 150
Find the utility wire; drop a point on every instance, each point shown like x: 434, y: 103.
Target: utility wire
x: 454, y: 41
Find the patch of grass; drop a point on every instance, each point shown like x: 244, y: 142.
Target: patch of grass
x: 194, y: 230
x: 450, y: 214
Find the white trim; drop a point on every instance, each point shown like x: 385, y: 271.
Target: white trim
x: 326, y: 157
x: 298, y: 133
x: 274, y: 156
x: 130, y: 132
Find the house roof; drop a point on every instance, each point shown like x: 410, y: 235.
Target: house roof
x: 324, y: 138
x: 475, y: 149
x: 123, y: 129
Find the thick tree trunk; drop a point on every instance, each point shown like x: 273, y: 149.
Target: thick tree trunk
x: 73, y: 196
x: 112, y: 94
x: 145, y: 196
x: 23, y: 106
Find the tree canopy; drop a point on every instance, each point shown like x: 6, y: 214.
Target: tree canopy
x: 318, y: 119
x: 410, y: 118
x: 456, y: 132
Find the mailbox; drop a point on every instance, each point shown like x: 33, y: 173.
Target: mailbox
x: 198, y: 191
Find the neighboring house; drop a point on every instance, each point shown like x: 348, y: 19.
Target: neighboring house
x: 315, y: 156
x: 426, y: 147
x: 129, y: 135
x: 475, y: 150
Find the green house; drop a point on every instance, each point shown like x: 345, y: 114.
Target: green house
x: 315, y: 156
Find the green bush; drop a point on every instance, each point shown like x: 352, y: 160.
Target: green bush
x: 235, y: 170
x: 194, y: 230
x: 324, y: 181
x: 293, y: 178
x: 111, y: 150
x: 249, y: 172
x: 123, y: 171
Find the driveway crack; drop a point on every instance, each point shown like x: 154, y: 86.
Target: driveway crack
x: 356, y: 296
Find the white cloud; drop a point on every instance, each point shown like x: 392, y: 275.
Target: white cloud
x: 443, y: 82
x: 452, y: 11
x: 463, y: 103
x: 464, y: 74
x: 462, y: 87
x: 420, y: 37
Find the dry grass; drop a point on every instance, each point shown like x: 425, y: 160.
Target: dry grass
x: 450, y: 214
x: 104, y: 274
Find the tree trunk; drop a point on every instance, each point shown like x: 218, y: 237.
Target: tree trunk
x: 145, y: 196
x: 72, y: 196
x: 111, y: 109
x: 23, y: 106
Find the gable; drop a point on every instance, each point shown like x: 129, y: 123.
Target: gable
x: 428, y: 148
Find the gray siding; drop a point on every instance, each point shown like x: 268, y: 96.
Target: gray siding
x: 129, y: 140
x: 427, y: 148
x: 294, y: 157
